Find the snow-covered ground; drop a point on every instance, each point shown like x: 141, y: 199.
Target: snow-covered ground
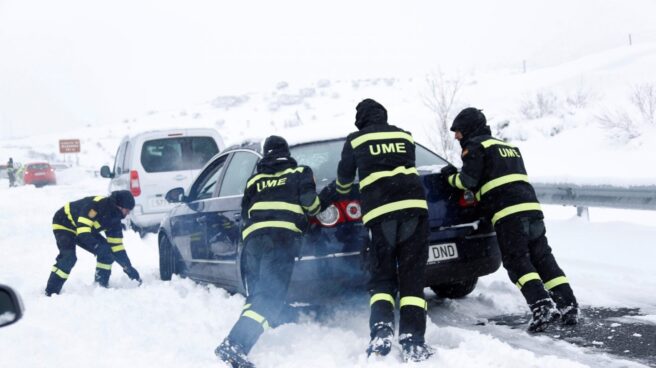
x: 178, y: 323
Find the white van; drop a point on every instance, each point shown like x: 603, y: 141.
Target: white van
x: 151, y: 163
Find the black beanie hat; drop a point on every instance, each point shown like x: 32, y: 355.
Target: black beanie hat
x: 123, y: 199
x: 276, y: 146
x: 469, y: 120
x: 368, y: 112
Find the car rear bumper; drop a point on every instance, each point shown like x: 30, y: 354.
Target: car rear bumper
x: 146, y: 220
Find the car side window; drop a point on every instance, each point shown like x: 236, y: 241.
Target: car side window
x: 204, y: 186
x: 241, y: 167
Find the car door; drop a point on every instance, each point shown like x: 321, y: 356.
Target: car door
x: 189, y: 221
x: 224, y: 217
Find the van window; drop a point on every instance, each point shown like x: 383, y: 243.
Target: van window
x: 175, y: 154
x: 118, y: 160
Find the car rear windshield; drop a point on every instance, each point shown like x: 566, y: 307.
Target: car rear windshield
x: 38, y: 167
x: 323, y: 158
x: 179, y: 153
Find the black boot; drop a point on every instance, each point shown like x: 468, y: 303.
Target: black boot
x: 233, y: 354
x: 381, y: 341
x: 416, y: 352
x: 544, y: 313
x: 566, y: 304
x: 570, y: 315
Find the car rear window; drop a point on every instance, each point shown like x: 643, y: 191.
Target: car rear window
x: 323, y: 158
x: 179, y: 153
x: 38, y: 167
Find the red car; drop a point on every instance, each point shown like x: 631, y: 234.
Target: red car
x: 39, y: 174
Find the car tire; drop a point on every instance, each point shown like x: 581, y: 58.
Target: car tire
x: 166, y: 261
x: 455, y: 290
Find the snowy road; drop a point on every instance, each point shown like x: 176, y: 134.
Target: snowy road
x: 178, y: 323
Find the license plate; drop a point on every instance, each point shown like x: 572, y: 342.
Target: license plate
x: 442, y: 252
x: 157, y: 202
x: 39, y: 174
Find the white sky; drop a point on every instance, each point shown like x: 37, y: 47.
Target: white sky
x: 73, y: 62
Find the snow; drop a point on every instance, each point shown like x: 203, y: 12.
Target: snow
x: 577, y: 59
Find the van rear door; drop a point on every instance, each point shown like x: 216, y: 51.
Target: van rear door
x: 170, y: 162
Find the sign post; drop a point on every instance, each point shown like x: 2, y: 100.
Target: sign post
x: 69, y: 146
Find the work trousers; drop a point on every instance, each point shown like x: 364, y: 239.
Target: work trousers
x: 529, y: 261
x: 397, y: 256
x: 268, y: 263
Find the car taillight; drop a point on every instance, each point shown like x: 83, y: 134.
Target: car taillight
x: 135, y: 188
x: 339, y: 212
x: 467, y: 199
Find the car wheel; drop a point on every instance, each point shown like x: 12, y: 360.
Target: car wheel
x: 166, y: 261
x: 455, y: 290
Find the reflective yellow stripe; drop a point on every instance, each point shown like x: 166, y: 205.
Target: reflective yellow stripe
x: 256, y: 317
x: 394, y: 206
x: 246, y: 306
x: 279, y: 206
x: 275, y: 175
x: 118, y: 248
x: 60, y: 227
x: 112, y: 240
x: 59, y: 273
x: 385, y: 174
x: 526, y: 278
x: 96, y: 224
x: 555, y: 282
x: 499, y: 182
x: 514, y: 209
x: 413, y: 301
x: 97, y: 198
x: 343, y: 191
x: 381, y: 296
x: 85, y: 221
x: 343, y: 186
x: 314, y: 207
x: 82, y: 230
x: 494, y: 142
x: 261, y: 225
x: 380, y: 136
x: 67, y: 209
x: 104, y: 266
x: 454, y: 181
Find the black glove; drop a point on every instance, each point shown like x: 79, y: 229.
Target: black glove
x: 448, y: 170
x: 328, y: 195
x: 132, y: 274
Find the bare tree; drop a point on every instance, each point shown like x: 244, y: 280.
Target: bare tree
x: 644, y: 99
x: 440, y: 98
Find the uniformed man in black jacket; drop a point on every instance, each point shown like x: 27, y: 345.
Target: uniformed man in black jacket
x: 277, y: 202
x: 494, y: 171
x: 395, y: 212
x: 80, y: 222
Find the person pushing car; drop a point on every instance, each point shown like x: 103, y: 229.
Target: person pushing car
x: 396, y: 213
x: 494, y: 170
x: 277, y: 202
x: 80, y: 222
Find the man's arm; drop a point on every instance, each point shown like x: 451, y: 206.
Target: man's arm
x: 346, y: 169
x: 308, y: 193
x: 115, y: 241
x: 472, y: 168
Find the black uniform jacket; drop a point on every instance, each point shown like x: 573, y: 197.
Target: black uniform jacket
x: 494, y: 170
x: 281, y: 195
x: 384, y: 157
x: 87, y: 218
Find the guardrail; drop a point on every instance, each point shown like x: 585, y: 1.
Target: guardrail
x: 584, y: 196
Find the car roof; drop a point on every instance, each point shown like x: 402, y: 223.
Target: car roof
x: 257, y: 145
x: 166, y: 132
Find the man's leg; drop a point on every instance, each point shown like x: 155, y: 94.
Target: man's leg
x: 64, y: 262
x: 554, y: 278
x: 382, y: 285
x: 412, y: 258
x: 513, y: 238
x: 104, y: 260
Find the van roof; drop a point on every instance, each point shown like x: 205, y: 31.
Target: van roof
x: 172, y: 133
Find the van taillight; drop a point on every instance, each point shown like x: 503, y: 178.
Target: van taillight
x: 135, y: 188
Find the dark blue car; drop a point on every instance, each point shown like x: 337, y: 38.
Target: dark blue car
x: 201, y: 239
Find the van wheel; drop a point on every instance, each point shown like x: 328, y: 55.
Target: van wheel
x: 166, y: 261
x: 455, y: 290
